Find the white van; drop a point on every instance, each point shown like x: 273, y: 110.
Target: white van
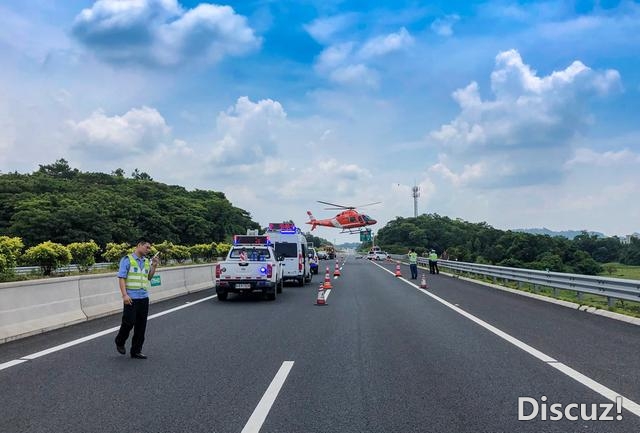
x: 290, y: 244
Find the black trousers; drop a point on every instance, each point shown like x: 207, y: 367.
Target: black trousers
x: 134, y: 317
x: 433, y: 267
x: 414, y: 271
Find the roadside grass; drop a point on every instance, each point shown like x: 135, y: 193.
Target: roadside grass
x: 628, y: 308
x: 621, y: 271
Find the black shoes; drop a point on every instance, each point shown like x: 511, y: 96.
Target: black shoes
x: 138, y: 355
x: 121, y: 350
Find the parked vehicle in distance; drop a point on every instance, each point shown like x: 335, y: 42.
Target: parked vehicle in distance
x: 381, y: 255
x: 322, y: 255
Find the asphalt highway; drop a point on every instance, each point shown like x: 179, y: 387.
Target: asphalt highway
x: 381, y: 356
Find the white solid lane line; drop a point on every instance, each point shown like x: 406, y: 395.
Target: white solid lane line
x: 11, y: 363
x: 608, y: 393
x: 93, y: 336
x: 261, y: 411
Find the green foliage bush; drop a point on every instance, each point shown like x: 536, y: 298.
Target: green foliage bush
x: 10, y: 251
x: 49, y: 256
x: 201, y: 252
x: 223, y: 249
x: 84, y: 254
x: 113, y: 252
x: 180, y: 253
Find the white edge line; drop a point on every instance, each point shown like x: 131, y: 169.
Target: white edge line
x: 11, y: 363
x: 326, y: 294
x: 94, y: 336
x: 261, y: 411
x: 608, y: 393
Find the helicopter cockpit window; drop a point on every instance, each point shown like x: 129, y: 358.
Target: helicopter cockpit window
x: 352, y: 219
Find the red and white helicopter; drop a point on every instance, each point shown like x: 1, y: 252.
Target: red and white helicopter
x: 348, y: 220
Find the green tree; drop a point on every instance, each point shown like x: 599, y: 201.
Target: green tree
x: 60, y: 169
x: 49, y: 256
x: 610, y: 268
x: 84, y: 254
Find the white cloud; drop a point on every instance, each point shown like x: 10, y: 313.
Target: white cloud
x: 349, y: 62
x: 324, y: 30
x: 249, y: 131
x: 137, y: 131
x: 343, y: 171
x: 161, y: 32
x: 589, y: 157
x: 355, y: 74
x: 385, y: 44
x: 525, y: 133
x: 444, y: 26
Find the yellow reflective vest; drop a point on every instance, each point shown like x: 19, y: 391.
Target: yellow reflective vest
x: 138, y: 279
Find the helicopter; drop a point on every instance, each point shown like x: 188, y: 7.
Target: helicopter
x: 348, y: 220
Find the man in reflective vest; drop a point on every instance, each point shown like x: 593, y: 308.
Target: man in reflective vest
x: 433, y: 263
x: 134, y: 279
x: 413, y: 264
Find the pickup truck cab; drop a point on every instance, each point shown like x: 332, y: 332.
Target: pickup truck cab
x: 250, y: 267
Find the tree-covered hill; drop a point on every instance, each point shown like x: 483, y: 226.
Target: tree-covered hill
x: 65, y: 205
x: 479, y: 242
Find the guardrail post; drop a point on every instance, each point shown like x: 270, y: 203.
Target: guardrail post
x: 579, y: 296
x: 555, y: 292
x: 519, y: 285
x: 611, y: 301
x: 495, y: 280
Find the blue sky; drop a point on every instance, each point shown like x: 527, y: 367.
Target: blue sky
x: 520, y: 114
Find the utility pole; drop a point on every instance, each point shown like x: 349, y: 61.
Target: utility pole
x: 416, y: 193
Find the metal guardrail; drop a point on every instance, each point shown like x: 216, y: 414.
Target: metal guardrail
x: 26, y: 270
x: 611, y: 288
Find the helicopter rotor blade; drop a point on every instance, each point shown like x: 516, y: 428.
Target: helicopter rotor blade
x: 365, y: 205
x: 336, y: 205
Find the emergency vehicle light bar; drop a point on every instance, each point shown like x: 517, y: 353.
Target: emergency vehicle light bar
x: 284, y: 228
x: 251, y: 240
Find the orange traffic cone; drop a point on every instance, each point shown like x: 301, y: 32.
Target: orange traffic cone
x: 327, y: 280
x: 320, y: 299
x: 336, y: 273
x: 423, y: 282
x: 398, y: 273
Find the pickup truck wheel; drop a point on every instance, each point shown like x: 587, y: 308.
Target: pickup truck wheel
x: 301, y: 281
x: 222, y: 296
x: 279, y: 286
x: 271, y: 296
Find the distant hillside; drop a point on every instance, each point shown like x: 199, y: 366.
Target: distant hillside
x: 569, y: 234
x: 65, y: 205
x: 481, y: 243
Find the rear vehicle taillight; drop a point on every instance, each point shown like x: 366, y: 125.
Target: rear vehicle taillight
x: 269, y: 270
x: 300, y: 262
x: 218, y: 273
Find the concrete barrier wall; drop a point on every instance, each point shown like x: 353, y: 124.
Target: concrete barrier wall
x: 31, y: 307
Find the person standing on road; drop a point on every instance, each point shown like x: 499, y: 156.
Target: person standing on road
x: 413, y: 264
x: 433, y: 263
x: 134, y: 278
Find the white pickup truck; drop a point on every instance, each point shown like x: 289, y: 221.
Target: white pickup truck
x: 249, y: 268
